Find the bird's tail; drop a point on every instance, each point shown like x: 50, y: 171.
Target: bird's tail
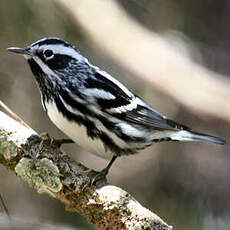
x: 187, y: 135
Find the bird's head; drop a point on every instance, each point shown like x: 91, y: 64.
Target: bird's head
x: 52, y: 60
x: 50, y: 52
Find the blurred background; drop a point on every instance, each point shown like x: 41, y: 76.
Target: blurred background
x: 187, y: 184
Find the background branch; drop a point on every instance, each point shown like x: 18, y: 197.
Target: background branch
x: 164, y: 63
x: 50, y: 171
x: 185, y: 183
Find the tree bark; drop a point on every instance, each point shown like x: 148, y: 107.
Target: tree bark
x: 47, y: 169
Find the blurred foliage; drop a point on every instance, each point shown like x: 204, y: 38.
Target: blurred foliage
x: 185, y: 184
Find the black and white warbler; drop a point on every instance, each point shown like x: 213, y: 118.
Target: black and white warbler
x: 94, y: 109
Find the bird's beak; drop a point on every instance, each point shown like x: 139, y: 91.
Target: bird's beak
x: 18, y: 50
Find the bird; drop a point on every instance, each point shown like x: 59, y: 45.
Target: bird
x: 95, y: 110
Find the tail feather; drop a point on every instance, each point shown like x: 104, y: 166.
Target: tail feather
x: 202, y: 137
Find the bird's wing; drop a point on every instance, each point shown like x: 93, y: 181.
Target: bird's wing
x: 116, y: 100
x: 150, y: 118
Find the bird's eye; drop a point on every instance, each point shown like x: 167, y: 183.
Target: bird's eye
x: 48, y: 53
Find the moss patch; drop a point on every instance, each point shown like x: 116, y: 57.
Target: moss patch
x: 42, y: 175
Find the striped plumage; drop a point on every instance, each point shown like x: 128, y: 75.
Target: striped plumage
x: 94, y: 109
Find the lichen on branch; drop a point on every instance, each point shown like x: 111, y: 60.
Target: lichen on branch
x: 49, y: 170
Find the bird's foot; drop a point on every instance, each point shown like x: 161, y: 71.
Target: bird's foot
x: 88, y: 171
x: 44, y: 137
x: 47, y: 140
x: 95, y: 177
x: 98, y: 176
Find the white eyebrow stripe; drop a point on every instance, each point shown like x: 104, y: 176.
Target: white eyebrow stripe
x: 64, y: 50
x: 70, y: 51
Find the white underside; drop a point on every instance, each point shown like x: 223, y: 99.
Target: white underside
x: 77, y: 133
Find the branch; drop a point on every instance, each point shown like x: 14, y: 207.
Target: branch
x: 162, y: 63
x: 50, y: 171
x: 22, y: 224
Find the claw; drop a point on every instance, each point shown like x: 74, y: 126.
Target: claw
x: 41, y: 144
x: 99, y: 176
x: 59, y: 142
x: 84, y: 187
x: 94, y: 177
x: 51, y: 141
x: 44, y: 135
x: 88, y: 171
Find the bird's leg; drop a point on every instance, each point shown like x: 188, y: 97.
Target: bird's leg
x: 59, y: 142
x: 102, y: 174
x: 51, y: 141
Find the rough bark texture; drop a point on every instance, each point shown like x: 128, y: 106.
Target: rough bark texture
x: 48, y: 170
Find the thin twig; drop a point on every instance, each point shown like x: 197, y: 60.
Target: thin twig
x: 15, y: 116
x: 4, y: 207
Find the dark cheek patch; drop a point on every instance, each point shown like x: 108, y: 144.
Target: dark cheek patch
x: 35, y: 68
x: 58, y: 62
